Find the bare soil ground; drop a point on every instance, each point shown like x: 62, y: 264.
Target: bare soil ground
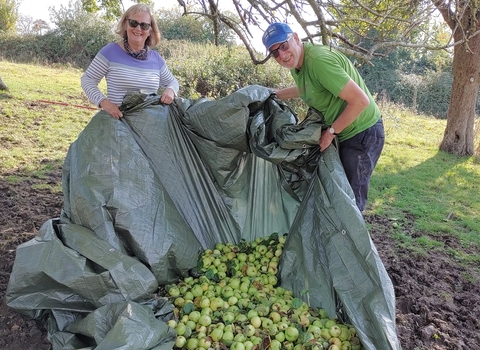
x: 437, y: 299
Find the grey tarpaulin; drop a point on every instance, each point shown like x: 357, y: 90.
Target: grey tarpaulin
x: 144, y: 196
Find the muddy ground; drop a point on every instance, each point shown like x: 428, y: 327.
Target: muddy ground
x: 437, y: 299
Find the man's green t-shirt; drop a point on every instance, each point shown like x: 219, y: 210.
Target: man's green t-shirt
x: 324, y: 73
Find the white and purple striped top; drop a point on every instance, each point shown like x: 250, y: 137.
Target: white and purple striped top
x: 123, y: 73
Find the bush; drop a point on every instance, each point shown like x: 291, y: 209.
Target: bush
x: 206, y: 70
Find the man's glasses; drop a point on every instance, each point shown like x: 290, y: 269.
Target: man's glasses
x: 132, y: 23
x: 283, y: 47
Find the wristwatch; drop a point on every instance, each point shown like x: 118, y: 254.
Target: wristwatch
x: 332, y: 131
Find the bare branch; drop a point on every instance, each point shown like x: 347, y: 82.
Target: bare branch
x: 362, y: 29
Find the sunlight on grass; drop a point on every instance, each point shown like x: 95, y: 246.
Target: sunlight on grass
x: 32, y: 131
x: 413, y: 177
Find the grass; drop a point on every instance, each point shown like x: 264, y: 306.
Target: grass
x: 414, y: 179
x: 414, y: 185
x: 35, y: 135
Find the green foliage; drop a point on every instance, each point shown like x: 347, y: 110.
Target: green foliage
x: 434, y: 94
x: 392, y: 14
x: 76, y: 40
x: 174, y: 26
x: 206, y: 70
x: 110, y: 9
x: 8, y: 15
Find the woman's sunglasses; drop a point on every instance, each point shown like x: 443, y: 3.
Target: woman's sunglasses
x: 283, y: 47
x: 132, y: 23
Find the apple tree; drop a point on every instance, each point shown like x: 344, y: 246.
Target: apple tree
x: 370, y: 28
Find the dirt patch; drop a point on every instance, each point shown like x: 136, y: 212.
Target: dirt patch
x: 438, y: 300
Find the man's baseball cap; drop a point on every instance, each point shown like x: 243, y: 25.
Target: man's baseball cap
x: 276, y: 33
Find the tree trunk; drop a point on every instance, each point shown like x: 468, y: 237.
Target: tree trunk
x: 459, y: 132
x: 2, y: 85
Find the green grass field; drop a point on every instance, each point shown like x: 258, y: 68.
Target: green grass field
x: 413, y: 178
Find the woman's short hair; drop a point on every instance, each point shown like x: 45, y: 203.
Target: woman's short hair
x: 121, y: 29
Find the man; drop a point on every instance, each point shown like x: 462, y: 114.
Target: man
x: 327, y: 81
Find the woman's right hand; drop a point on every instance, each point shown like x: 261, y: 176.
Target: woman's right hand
x: 111, y: 109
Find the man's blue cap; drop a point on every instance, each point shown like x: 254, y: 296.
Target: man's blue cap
x: 276, y: 33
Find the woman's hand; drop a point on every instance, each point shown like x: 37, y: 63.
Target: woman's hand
x: 167, y: 96
x: 111, y: 109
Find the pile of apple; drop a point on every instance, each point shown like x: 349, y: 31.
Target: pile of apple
x: 234, y: 302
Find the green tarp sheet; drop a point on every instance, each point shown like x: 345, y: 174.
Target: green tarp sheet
x: 145, y: 195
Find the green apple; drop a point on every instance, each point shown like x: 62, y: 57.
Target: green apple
x: 200, y: 329
x: 329, y: 323
x: 272, y: 330
x: 217, y: 334
x: 291, y: 333
x: 248, y: 345
x: 191, y: 324
x: 345, y: 333
x: 280, y: 336
x: 204, y: 303
x: 241, y: 318
x: 282, y: 325
x: 205, y: 320
x: 227, y: 292
x: 234, y: 300
x: 237, y: 346
x: 222, y: 267
x: 180, y: 341
x: 316, y: 331
x: 227, y: 336
x: 180, y: 328
x: 188, y: 296
x: 251, y: 313
x: 275, y: 317
x: 249, y: 330
x: 206, y: 311
x: 261, y: 248
x: 228, y: 317
x: 194, y: 316
x: 239, y: 337
x: 275, y: 345
x: 335, y: 341
x: 216, y: 303
x: 179, y: 301
x: 266, y: 323
x: 251, y: 271
x: 192, y: 343
x: 256, y: 321
x: 234, y: 283
x: 335, y: 331
x: 242, y: 257
x: 204, y: 343
x: 197, y: 290
x: 325, y: 333
x: 174, y: 291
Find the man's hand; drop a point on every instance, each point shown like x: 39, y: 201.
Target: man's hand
x: 325, y: 140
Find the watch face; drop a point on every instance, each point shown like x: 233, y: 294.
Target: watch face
x: 332, y: 130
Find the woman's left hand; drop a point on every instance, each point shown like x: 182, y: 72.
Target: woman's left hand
x: 167, y: 96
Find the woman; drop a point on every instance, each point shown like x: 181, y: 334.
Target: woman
x: 130, y: 64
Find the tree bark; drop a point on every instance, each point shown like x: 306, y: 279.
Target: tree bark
x: 2, y: 85
x: 459, y: 134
